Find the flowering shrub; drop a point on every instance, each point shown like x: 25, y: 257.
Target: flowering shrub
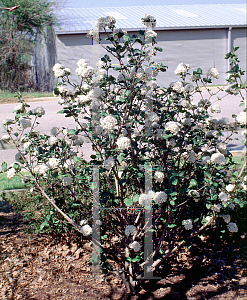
x: 138, y: 131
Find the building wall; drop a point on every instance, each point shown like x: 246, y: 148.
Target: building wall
x: 204, y: 48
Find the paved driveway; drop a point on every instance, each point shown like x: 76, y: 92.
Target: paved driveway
x: 229, y: 105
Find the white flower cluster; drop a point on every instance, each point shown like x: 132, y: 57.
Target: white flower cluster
x: 19, y: 108
x: 86, y: 230
x: 53, y: 162
x: 188, y: 224
x: 11, y: 173
x: 41, y: 169
x: 135, y: 246
x: 177, y: 86
x: 151, y: 33
x: 109, y: 122
x: 123, y: 143
x: 218, y: 158
x: 182, y: 69
x: 222, y: 148
x: 172, y: 126
x: 223, y: 197
x: 213, y: 72
x: 55, y: 131
x: 130, y: 229
x: 226, y: 218
x: 39, y: 110
x: 232, y: 227
x: 109, y: 163
x: 160, y: 197
x: 215, y: 109
x: 146, y: 199
x: 83, y: 69
x: 8, y: 121
x: 60, y: 71
x: 159, y: 176
x: 67, y: 181
x: 52, y: 141
x: 104, y: 22
x: 230, y: 187
x: 25, y: 123
x: 241, y: 118
x: 149, y: 20
x: 5, y: 138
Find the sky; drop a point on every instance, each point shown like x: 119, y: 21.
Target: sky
x: 116, y: 3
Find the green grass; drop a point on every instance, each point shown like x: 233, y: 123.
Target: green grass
x: 10, y: 184
x: 8, y: 96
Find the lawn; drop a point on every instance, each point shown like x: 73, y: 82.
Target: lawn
x: 10, y: 184
x: 6, y: 96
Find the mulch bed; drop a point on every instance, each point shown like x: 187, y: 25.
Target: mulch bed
x: 41, y: 268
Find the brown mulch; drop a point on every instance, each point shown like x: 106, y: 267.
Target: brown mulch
x: 41, y: 268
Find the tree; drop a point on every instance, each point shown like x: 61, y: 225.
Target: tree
x: 19, y: 31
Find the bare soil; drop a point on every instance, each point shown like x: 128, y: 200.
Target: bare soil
x: 41, y: 268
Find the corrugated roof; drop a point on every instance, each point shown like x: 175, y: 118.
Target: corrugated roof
x: 74, y: 20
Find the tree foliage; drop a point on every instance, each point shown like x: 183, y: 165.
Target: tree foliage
x: 19, y: 31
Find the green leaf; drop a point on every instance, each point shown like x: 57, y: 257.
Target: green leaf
x: 120, y: 158
x: 128, y: 201
x: 193, y: 182
x: 174, y: 182
x: 167, y: 136
x: 199, y: 71
x: 136, y: 198
x: 158, y: 49
x: 172, y: 225
x: 196, y: 220
x: 208, y: 205
x: 136, y: 259
x: 4, y: 166
x: 172, y: 202
x: 71, y: 131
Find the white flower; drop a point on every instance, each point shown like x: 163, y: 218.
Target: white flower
x: 135, y: 246
x: 194, y: 194
x: 123, y: 143
x: 146, y: 199
x: 205, y: 160
x: 54, y: 131
x: 224, y: 121
x: 109, y: 163
x: 215, y: 108
x: 10, y: 173
x: 86, y: 230
x: 52, y: 140
x: 149, y: 20
x: 160, y: 197
x: 192, y: 156
x: 204, y: 103
x: 230, y: 187
x: 53, y: 162
x: 41, y: 169
x: 5, y: 138
x: 241, y: 118
x: 184, y: 103
x: 188, y: 224
x: 83, y: 222
x: 19, y: 108
x: 213, y: 72
x: 171, y: 143
x: 82, y: 63
x: 153, y: 117
x: 130, y: 229
x: 218, y: 158
x: 56, y: 67
x: 39, y: 110
x: 189, y: 88
x: 83, y: 99
x: 84, y: 72
x: 151, y: 33
x: 222, y: 148
x: 232, y: 227
x: 177, y: 86
x: 187, y: 121
x: 231, y: 206
x: 172, y: 126
x: 159, y: 176
x: 223, y: 197
x: 182, y: 69
x: 109, y: 122
x: 93, y: 34
x: 59, y: 73
x: 7, y: 121
x: 67, y: 181
x: 244, y: 132
x: 25, y: 123
x: 217, y: 207
x: 212, y: 133
x: 226, y: 218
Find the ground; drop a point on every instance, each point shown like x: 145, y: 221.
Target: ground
x: 41, y: 268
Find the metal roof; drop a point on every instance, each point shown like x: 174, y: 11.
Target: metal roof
x: 80, y: 20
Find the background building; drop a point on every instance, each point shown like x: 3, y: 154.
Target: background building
x: 200, y: 35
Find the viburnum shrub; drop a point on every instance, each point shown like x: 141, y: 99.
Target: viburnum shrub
x: 161, y: 172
